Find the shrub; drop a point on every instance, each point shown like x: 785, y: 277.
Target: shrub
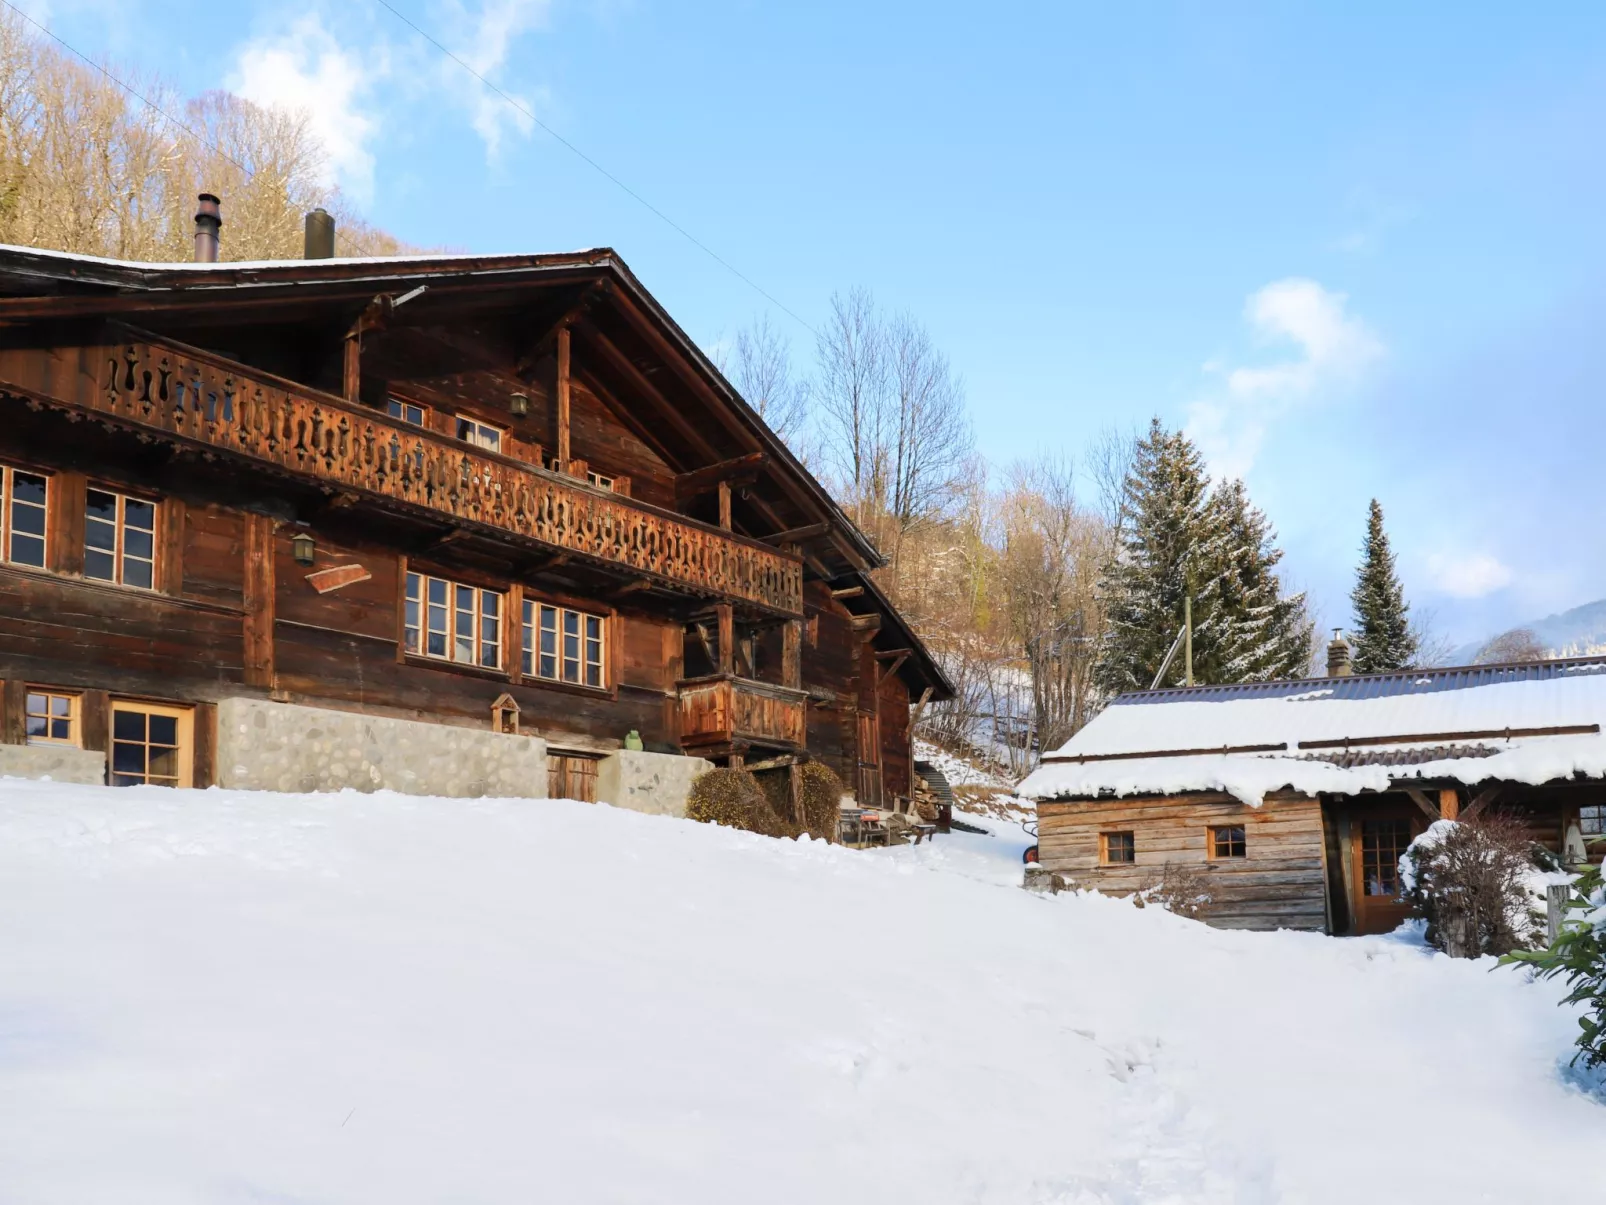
x: 822, y: 800
x: 732, y: 798
x: 1479, y: 884
x: 1179, y: 887
x: 1579, y: 957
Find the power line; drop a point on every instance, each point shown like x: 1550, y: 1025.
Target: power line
x: 154, y: 107
x: 604, y: 172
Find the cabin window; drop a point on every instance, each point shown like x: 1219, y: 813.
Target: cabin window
x: 409, y: 412
x: 1227, y: 841
x: 481, y: 435
x: 1592, y: 821
x: 1383, y: 842
x: 601, y: 480
x: 120, y: 539
x: 453, y: 622
x: 51, y: 718
x: 23, y: 520
x: 151, y: 745
x: 563, y: 645
x: 1117, y: 849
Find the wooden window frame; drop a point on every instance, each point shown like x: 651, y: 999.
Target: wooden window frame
x: 1598, y: 820
x: 74, y: 717
x: 601, y: 481
x: 531, y: 615
x: 119, y: 552
x: 403, y: 404
x: 8, y: 502
x: 1214, y: 838
x: 1131, y: 845
x: 184, y: 737
x: 479, y: 424
x: 450, y: 634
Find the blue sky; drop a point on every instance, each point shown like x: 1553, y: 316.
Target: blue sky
x: 1355, y: 249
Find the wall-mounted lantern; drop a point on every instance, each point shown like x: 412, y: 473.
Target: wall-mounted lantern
x: 519, y: 403
x: 304, y: 548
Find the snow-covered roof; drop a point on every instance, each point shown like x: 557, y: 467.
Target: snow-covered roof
x: 1527, y: 723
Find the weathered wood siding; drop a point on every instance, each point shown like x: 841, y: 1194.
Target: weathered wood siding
x: 1279, y: 884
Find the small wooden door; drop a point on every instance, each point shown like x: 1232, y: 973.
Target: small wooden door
x: 1378, y: 843
x: 571, y: 777
x: 869, y: 784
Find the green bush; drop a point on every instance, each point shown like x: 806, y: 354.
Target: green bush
x: 822, y: 800
x: 1579, y: 957
x: 733, y: 798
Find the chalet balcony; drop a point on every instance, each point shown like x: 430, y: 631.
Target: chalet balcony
x: 723, y: 710
x: 225, y: 408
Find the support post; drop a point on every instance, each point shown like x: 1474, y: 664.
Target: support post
x: 352, y: 376
x: 1449, y: 803
x: 792, y: 654
x: 259, y: 599
x: 725, y: 505
x: 563, y: 400
x: 1187, y: 638
x: 727, y: 637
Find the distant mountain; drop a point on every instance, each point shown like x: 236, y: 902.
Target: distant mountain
x: 1580, y: 632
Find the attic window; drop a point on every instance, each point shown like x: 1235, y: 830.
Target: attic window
x: 601, y: 480
x: 409, y: 412
x: 1117, y: 849
x: 481, y: 435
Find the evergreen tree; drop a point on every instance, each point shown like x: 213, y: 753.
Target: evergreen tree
x: 1180, y: 537
x: 1383, y: 639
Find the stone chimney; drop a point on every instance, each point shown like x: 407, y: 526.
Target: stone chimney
x: 320, y: 236
x: 208, y: 221
x: 1338, y: 662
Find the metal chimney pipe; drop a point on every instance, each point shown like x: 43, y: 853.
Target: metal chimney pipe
x: 320, y: 236
x: 208, y: 221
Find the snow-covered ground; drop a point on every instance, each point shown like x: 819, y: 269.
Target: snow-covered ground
x: 230, y: 997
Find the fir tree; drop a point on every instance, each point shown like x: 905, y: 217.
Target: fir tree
x: 1270, y: 635
x: 1383, y: 640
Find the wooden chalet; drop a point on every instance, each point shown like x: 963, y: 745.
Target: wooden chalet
x: 462, y: 497
x: 1297, y: 799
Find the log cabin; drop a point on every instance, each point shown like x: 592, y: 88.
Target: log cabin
x: 1296, y: 799
x: 462, y: 525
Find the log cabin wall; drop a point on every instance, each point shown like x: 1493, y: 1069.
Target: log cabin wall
x: 1279, y: 882
x: 831, y: 650
x: 897, y: 767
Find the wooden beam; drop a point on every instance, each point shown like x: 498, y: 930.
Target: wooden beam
x: 727, y: 638
x: 1449, y: 803
x: 563, y: 399
x: 737, y: 470
x: 848, y: 592
x: 792, y: 654
x: 640, y: 583
x: 351, y: 374
x: 1420, y: 798
x: 799, y: 535
x: 725, y: 505
x: 894, y: 667
x: 592, y: 294
x: 1482, y: 800
x: 867, y: 625
x: 259, y: 598
x: 775, y: 763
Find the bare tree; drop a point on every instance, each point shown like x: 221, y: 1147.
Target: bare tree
x: 931, y: 428
x: 1517, y: 645
x: 851, y: 390
x: 760, y: 366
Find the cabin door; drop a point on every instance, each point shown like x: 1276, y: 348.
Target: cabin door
x: 869, y: 784
x: 1379, y: 840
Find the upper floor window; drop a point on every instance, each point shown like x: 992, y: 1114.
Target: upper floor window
x: 120, y: 539
x: 481, y: 435
x: 453, y: 622
x: 408, y: 412
x: 22, y: 516
x: 52, y: 718
x: 563, y: 645
x: 601, y: 480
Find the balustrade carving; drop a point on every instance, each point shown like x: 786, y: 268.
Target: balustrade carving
x: 211, y: 402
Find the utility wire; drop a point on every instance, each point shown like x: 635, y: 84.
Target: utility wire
x: 154, y: 107
x: 604, y: 172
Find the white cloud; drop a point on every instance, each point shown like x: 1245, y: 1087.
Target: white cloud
x: 1468, y: 575
x: 305, y: 68
x: 1332, y: 348
x: 490, y: 35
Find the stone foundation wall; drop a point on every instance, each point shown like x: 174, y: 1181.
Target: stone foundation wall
x: 657, y: 783
x: 266, y: 746
x: 59, y: 763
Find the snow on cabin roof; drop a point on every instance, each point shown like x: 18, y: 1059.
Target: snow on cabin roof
x: 1527, y: 723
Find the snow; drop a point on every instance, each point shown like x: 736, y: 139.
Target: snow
x: 957, y: 770
x: 230, y: 997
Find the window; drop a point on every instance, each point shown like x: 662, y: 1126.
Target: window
x: 120, y: 539
x: 1382, y: 844
x: 1592, y: 821
x: 408, y: 412
x: 151, y: 745
x: 453, y: 622
x: 1117, y: 849
x: 563, y: 645
x: 23, y: 519
x: 481, y: 435
x: 51, y: 718
x: 601, y: 480
x: 1228, y: 842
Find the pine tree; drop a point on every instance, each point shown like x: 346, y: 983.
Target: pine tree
x: 1382, y: 631
x: 1271, y: 634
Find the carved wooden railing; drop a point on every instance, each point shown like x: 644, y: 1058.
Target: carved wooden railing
x: 211, y: 401
x: 720, y: 708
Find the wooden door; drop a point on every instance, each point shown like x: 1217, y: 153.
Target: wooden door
x: 571, y: 777
x: 1379, y: 840
x: 869, y: 784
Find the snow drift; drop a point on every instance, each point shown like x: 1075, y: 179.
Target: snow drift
x: 231, y: 997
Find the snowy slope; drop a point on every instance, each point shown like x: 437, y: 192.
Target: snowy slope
x: 227, y: 997
x: 1580, y: 632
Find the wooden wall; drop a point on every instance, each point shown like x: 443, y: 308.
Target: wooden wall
x: 830, y: 675
x: 1279, y: 884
